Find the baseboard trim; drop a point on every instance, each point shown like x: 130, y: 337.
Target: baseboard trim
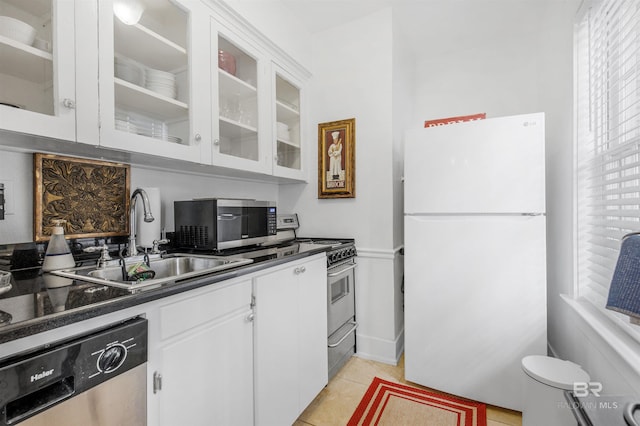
x: 380, y: 350
x: 379, y: 253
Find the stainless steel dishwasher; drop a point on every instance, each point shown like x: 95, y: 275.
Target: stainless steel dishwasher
x: 96, y: 379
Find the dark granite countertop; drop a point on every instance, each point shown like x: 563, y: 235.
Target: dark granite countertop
x: 34, y: 308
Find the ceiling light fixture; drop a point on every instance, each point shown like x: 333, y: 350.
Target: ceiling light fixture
x: 128, y: 11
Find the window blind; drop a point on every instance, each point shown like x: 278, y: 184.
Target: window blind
x: 607, y: 61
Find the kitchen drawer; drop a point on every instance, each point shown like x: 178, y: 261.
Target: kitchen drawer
x: 203, y: 307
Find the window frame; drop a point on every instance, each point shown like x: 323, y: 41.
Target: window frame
x: 585, y: 290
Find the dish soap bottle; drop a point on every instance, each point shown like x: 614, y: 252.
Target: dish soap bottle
x: 58, y: 254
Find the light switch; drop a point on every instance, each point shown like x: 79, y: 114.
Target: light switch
x: 7, y: 204
x: 1, y: 201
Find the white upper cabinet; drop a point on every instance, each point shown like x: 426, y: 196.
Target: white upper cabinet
x: 184, y: 79
x: 153, y: 73
x: 257, y: 101
x: 239, y: 120
x: 288, y: 130
x: 37, y: 67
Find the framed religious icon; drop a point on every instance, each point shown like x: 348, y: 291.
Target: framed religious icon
x: 337, y: 159
x: 90, y: 196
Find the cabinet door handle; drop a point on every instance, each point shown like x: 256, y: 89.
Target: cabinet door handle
x: 197, y: 137
x: 68, y: 103
x: 250, y: 317
x: 216, y: 142
x: 299, y: 270
x: 157, y: 382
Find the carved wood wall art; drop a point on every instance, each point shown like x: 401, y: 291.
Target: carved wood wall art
x: 91, y: 196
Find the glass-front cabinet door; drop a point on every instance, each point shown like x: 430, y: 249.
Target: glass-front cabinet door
x: 153, y: 62
x: 237, y: 102
x: 37, y: 67
x: 288, y: 130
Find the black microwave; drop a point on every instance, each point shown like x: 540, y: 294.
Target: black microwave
x: 217, y: 224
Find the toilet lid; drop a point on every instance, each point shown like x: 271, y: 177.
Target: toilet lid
x: 554, y: 372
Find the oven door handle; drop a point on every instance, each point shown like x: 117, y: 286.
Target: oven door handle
x: 348, y: 268
x: 355, y: 325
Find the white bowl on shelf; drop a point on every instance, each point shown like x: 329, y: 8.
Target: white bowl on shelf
x: 128, y: 70
x: 17, y: 30
x: 160, y: 75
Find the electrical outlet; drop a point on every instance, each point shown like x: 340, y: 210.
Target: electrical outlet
x: 9, y: 191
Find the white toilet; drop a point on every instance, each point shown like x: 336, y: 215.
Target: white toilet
x: 546, y: 380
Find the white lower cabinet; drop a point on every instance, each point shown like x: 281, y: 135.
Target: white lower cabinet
x: 248, y: 351
x: 290, y: 339
x: 201, y: 371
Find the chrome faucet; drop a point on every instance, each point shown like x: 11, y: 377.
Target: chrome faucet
x: 148, y: 217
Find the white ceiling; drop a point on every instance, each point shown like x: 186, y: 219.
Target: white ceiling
x: 433, y: 25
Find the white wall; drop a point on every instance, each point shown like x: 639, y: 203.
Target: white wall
x: 573, y: 333
x: 17, y: 168
x: 500, y: 79
x: 176, y: 186
x: 278, y: 24
x: 403, y: 83
x: 353, y: 78
x: 16, y: 172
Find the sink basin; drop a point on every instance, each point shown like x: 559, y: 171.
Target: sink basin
x: 167, y: 269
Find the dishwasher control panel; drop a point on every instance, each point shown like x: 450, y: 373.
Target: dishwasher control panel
x: 36, y: 381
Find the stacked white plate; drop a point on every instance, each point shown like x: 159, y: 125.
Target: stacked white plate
x: 128, y: 70
x: 124, y: 123
x: 161, y: 82
x: 136, y: 123
x: 152, y: 128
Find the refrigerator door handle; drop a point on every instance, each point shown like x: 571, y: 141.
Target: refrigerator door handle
x: 533, y: 214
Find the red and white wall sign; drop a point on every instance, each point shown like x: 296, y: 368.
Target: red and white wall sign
x: 453, y: 120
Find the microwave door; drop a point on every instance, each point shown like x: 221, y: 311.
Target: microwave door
x: 256, y: 222
x: 230, y: 224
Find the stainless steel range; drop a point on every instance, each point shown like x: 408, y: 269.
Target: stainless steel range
x: 341, y: 315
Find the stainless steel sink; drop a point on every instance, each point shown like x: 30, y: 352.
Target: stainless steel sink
x: 167, y: 269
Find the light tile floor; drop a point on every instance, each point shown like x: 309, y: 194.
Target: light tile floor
x: 338, y: 400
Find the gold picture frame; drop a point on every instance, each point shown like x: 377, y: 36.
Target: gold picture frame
x: 91, y: 196
x: 336, y: 159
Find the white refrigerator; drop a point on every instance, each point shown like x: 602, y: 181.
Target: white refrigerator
x: 475, y: 256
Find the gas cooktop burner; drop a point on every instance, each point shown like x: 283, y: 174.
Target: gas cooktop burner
x: 342, y: 249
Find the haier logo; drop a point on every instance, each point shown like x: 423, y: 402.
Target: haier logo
x: 42, y: 375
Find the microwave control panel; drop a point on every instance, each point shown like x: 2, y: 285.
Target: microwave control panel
x: 272, y: 221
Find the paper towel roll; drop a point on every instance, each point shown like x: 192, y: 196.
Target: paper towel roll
x: 147, y: 232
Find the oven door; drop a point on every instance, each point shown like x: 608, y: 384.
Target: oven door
x: 340, y: 294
